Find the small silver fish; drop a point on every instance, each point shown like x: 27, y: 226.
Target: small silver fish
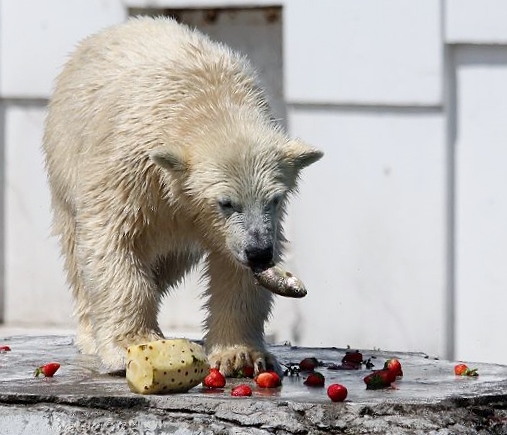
x: 280, y: 281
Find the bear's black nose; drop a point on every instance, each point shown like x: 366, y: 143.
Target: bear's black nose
x: 259, y: 256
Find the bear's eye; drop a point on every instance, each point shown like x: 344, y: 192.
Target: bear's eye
x: 273, y: 204
x: 226, y: 206
x: 276, y: 200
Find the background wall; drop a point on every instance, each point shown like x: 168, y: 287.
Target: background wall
x: 399, y: 232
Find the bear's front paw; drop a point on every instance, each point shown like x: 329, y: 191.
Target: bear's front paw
x: 230, y: 360
x: 113, y: 353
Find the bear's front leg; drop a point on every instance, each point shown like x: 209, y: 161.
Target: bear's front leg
x: 237, y: 312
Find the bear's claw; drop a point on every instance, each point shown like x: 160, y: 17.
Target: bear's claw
x: 230, y: 360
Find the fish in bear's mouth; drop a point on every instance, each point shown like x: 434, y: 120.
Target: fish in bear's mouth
x: 279, y: 281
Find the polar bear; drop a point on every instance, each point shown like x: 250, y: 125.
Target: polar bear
x: 161, y: 150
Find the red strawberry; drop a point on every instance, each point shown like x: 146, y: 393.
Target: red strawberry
x: 248, y: 371
x: 460, y: 369
x: 308, y: 364
x: 463, y: 370
x: 4, y: 349
x: 315, y: 379
x: 241, y: 390
x: 48, y: 370
x: 355, y: 357
x: 337, y: 392
x: 245, y: 372
x: 268, y: 380
x: 379, y: 379
x: 394, y: 365
x: 215, y: 379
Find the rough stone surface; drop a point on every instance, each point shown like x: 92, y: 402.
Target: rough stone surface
x: 429, y: 399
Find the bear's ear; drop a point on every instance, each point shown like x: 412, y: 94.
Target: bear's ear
x: 300, y: 154
x: 172, y: 158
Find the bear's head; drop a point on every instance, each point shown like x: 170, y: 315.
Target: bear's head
x: 236, y: 192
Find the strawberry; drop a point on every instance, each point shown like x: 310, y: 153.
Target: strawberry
x: 241, y: 390
x: 248, y: 371
x: 355, y: 357
x: 214, y: 379
x: 379, y: 379
x: 4, y: 349
x: 460, y: 369
x: 463, y: 370
x: 308, y: 364
x: 268, y: 380
x: 314, y: 379
x: 245, y: 372
x: 337, y: 392
x: 48, y: 370
x: 394, y: 365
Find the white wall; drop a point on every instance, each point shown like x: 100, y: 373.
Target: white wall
x: 371, y: 222
x: 477, y: 48
x: 33, y: 277
x: 370, y: 229
x: 410, y: 117
x: 481, y: 242
x: 347, y: 54
x: 36, y: 37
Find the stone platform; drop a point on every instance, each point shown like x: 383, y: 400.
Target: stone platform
x: 429, y: 399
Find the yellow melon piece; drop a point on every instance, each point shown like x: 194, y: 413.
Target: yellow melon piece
x: 165, y: 366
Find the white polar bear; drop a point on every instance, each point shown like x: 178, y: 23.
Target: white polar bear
x: 161, y: 150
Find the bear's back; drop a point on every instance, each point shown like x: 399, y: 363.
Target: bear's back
x: 145, y: 62
x: 125, y: 85
x: 155, y: 43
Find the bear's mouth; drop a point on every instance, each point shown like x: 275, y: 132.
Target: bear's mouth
x: 260, y: 267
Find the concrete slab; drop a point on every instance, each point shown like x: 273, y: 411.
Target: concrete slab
x: 429, y: 399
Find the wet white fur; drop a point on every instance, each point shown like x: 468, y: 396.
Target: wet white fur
x: 151, y: 125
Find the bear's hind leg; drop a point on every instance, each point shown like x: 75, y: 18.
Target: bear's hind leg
x: 64, y: 225
x: 125, y: 301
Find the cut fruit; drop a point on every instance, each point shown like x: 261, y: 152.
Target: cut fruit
x: 165, y: 366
